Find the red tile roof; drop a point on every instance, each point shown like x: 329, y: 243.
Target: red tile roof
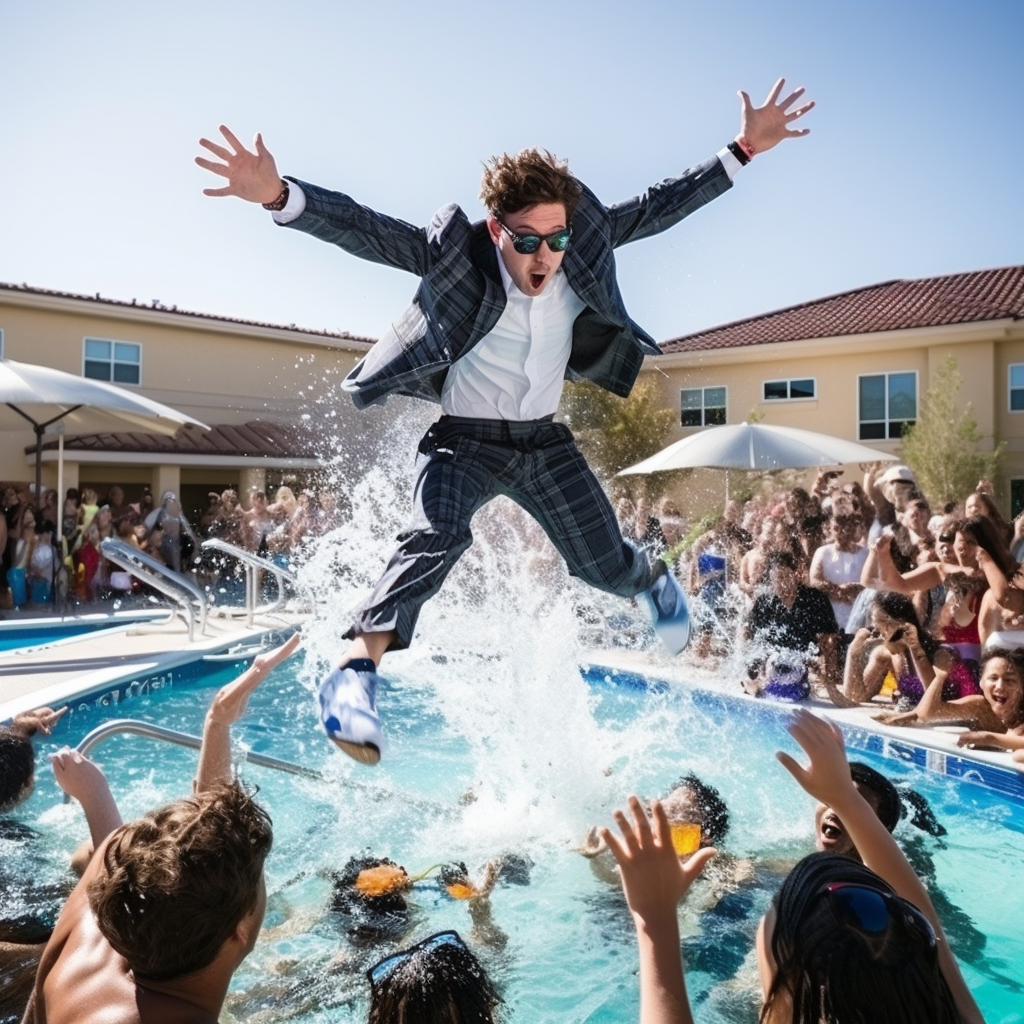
x: 158, y: 306
x: 257, y: 438
x: 891, y: 306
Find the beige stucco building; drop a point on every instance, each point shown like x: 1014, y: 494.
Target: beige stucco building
x: 270, y: 392
x: 855, y: 365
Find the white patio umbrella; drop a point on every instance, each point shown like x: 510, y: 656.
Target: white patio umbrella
x: 43, y: 396
x: 757, y: 446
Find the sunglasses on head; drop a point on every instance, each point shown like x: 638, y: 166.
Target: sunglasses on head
x: 558, y: 241
x: 384, y: 968
x: 870, y: 910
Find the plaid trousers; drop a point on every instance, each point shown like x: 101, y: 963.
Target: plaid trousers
x: 463, y: 463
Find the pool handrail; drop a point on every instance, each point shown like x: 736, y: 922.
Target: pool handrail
x: 253, y: 565
x: 175, y: 585
x: 182, y: 739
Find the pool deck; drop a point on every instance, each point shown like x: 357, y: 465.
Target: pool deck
x: 49, y: 674
x: 938, y: 742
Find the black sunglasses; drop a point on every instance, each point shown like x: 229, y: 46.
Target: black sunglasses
x: 383, y: 969
x: 870, y: 910
x: 527, y: 244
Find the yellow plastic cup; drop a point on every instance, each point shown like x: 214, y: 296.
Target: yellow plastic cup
x: 685, y: 838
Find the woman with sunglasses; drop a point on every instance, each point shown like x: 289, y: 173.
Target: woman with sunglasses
x: 886, y: 959
x: 437, y: 981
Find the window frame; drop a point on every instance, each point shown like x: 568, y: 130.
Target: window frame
x: 1010, y: 388
x: 704, y: 407
x: 113, y: 360
x: 788, y: 381
x: 886, y: 374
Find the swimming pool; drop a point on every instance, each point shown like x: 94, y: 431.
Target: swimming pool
x: 17, y: 634
x: 488, y: 755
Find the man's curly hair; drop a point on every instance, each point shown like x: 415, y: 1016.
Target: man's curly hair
x: 532, y: 176
x: 176, y: 882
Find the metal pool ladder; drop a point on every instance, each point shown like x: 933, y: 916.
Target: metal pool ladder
x: 188, y: 597
x: 255, y: 565
x: 182, y: 739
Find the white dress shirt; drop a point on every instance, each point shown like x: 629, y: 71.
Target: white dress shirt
x: 516, y: 371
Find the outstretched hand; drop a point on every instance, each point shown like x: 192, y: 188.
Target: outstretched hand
x: 230, y: 703
x: 40, y: 720
x: 251, y: 175
x: 827, y: 777
x: 653, y: 877
x: 766, y: 126
x: 77, y: 775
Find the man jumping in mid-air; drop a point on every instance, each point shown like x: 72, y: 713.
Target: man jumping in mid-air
x: 507, y: 308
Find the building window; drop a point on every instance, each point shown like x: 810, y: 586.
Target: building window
x: 887, y: 405
x: 1017, y: 387
x: 702, y: 407
x: 1, y: 343
x: 789, y: 390
x: 119, y: 362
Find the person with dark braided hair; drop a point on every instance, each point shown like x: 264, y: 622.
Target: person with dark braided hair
x: 843, y: 942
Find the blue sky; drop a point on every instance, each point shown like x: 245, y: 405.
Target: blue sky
x: 912, y: 167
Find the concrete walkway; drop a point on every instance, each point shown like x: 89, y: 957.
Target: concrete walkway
x: 52, y: 673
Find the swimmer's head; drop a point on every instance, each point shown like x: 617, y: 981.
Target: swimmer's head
x: 830, y: 835
x: 693, y: 802
x: 178, y: 883
x: 17, y: 767
x: 369, y: 893
x: 844, y: 946
x: 437, y: 981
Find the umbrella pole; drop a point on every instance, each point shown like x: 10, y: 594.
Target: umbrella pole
x: 60, y: 486
x: 39, y: 463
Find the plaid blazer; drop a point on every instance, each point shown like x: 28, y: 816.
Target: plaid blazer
x: 461, y: 295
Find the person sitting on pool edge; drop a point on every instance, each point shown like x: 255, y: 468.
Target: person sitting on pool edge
x: 171, y: 903
x: 996, y: 715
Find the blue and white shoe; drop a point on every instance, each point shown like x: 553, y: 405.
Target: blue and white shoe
x: 348, y: 710
x: 669, y: 612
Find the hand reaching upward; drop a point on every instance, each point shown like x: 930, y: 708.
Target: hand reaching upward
x: 766, y: 126
x: 251, y: 175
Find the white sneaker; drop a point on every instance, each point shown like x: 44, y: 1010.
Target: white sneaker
x: 348, y: 710
x: 669, y: 613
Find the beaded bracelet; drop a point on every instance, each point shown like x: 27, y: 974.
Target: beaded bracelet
x: 280, y: 202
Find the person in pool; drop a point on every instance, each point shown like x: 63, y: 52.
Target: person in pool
x: 507, y: 308
x: 170, y: 904
x: 831, y: 835
x: 996, y: 716
x: 698, y: 819
x: 843, y: 942
x: 437, y: 981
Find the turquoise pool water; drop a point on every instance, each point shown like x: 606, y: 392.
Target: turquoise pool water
x: 489, y: 755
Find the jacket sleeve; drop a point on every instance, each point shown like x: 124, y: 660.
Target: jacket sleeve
x: 667, y: 202
x: 337, y: 218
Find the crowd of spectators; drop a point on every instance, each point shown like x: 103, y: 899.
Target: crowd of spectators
x: 863, y: 593
x: 43, y: 564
